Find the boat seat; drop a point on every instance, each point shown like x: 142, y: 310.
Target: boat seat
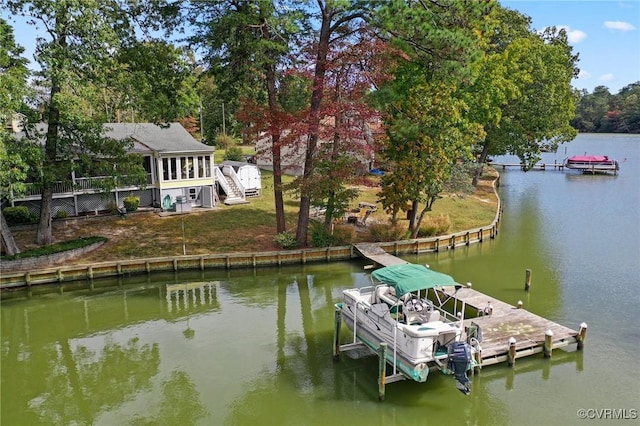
x: 387, y: 294
x: 432, y: 316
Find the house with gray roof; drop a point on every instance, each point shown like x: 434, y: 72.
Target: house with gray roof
x: 180, y: 170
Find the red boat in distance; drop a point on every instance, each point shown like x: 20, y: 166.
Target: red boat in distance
x: 592, y: 164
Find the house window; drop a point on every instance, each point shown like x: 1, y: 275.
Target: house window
x: 146, y: 163
x: 190, y: 168
x: 173, y: 169
x: 183, y: 163
x: 207, y: 166
x: 165, y: 169
x: 185, y: 168
x: 201, y: 167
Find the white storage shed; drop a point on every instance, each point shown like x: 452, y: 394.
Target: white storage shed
x: 248, y: 174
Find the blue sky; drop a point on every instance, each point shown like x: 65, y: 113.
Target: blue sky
x: 605, y: 34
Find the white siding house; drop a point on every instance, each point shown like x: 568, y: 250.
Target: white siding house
x: 179, y: 168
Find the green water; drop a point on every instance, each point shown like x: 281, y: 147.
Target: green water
x: 247, y: 347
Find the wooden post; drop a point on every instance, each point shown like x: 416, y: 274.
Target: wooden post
x: 548, y: 343
x: 527, y: 280
x: 337, y: 323
x: 511, y: 355
x: 382, y: 369
x: 582, y: 335
x: 477, y: 355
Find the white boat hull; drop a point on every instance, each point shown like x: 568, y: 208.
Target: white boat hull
x: 413, y: 348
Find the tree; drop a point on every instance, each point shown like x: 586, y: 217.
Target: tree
x: 354, y: 65
x: 337, y: 20
x: 538, y: 102
x: 82, y: 39
x: 246, y: 45
x: 13, y: 159
x: 427, y: 137
x: 428, y: 125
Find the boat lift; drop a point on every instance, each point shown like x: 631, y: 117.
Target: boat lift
x: 382, y: 349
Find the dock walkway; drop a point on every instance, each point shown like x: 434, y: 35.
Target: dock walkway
x: 500, y: 324
x: 505, y: 322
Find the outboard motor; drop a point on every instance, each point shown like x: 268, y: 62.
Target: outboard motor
x: 459, y: 362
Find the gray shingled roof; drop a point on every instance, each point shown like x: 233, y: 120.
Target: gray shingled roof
x: 148, y: 137
x: 151, y: 137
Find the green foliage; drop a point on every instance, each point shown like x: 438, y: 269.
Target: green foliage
x: 225, y: 141
x: 112, y: 207
x: 320, y: 235
x: 434, y: 225
x: 323, y: 236
x: 286, y: 240
x: 131, y: 203
x: 57, y: 248
x: 61, y: 214
x: 602, y: 112
x: 234, y: 154
x: 343, y: 235
x: 18, y: 214
x: 159, y: 80
x: 84, y: 49
x: 381, y: 232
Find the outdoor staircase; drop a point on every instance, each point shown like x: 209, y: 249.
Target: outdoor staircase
x: 235, y: 195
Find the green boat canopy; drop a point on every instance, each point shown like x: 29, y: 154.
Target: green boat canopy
x: 409, y: 277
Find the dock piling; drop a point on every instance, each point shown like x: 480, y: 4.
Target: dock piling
x: 336, y: 333
x: 582, y: 335
x: 548, y: 343
x: 382, y: 369
x: 527, y: 280
x: 511, y: 355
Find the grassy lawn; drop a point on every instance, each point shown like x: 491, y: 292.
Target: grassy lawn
x: 236, y: 228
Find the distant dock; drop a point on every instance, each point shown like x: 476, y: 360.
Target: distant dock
x: 508, y: 332
x: 538, y: 166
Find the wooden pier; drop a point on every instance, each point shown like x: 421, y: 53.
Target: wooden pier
x: 508, y: 332
x: 538, y: 166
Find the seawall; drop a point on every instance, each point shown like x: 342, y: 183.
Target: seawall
x: 60, y: 273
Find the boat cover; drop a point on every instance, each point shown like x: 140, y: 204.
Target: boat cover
x: 588, y: 158
x: 410, y: 277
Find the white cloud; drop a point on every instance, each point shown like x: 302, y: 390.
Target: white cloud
x: 607, y: 77
x: 584, y: 75
x: 619, y: 25
x: 573, y: 36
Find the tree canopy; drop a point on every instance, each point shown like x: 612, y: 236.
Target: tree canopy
x: 448, y: 81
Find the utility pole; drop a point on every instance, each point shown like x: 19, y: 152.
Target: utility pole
x: 201, y: 122
x: 224, y: 130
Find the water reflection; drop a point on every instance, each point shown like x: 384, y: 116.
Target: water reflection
x: 254, y: 346
x: 234, y: 348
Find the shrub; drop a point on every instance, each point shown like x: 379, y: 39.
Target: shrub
x: 112, y: 207
x: 131, y: 203
x: 434, y: 225
x: 387, y: 232
x: 18, y: 214
x: 225, y: 141
x: 234, y: 154
x: 320, y: 236
x: 61, y: 214
x: 343, y: 235
x: 286, y: 240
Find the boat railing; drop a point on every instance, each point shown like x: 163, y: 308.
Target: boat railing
x: 358, y: 302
